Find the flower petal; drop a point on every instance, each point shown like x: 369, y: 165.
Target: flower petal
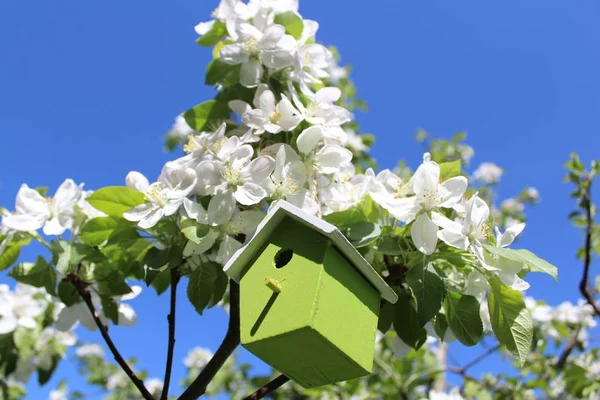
x: 246, y: 222
x: 23, y: 222
x: 234, y: 54
x: 309, y: 139
x: 271, y: 37
x: 29, y: 201
x: 426, y: 177
x: 453, y: 190
x: 239, y: 107
x: 195, y: 211
x: 66, y: 196
x: 221, y: 208
x: 328, y: 95
x: 136, y: 180
x: 424, y: 234
x: 509, y: 235
x: 331, y: 158
x: 266, y: 102
x: 54, y: 227
x: 251, y: 73
x: 8, y: 324
x: 203, y: 27
x: 249, y: 194
x: 138, y: 212
x: 152, y: 219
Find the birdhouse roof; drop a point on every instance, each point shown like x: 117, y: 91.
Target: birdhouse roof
x: 240, y: 259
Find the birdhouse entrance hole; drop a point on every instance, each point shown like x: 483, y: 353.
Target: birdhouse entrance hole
x: 283, y: 257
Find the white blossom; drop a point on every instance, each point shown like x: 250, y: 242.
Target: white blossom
x: 20, y: 307
x: 89, y: 350
x: 154, y: 385
x: 267, y: 115
x: 488, y: 173
x: 198, y: 357
x: 255, y: 47
x: 235, y: 170
x: 421, y: 208
x: 163, y: 198
x: 54, y: 214
x: 69, y: 317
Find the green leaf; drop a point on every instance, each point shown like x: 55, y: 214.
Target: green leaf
x: 440, y: 326
x: 390, y: 245
x: 530, y: 261
x: 459, y: 137
x: 218, y: 72
x: 40, y: 274
x: 510, y: 319
x: 42, y: 190
x: 161, y: 260
x: 110, y: 309
x: 462, y: 313
x: 449, y: 170
x: 291, y: 22
x: 386, y: 317
x: 576, y: 380
x: 68, y: 294
x: 96, y: 231
x: 343, y: 219
x: 214, y: 35
x: 220, y: 286
x: 160, y: 281
x: 406, y: 321
x: 429, y: 291
x: 207, y: 115
x: 83, y: 252
x: 115, y: 200
x: 363, y: 233
x: 11, y: 252
x: 25, y: 341
x: 235, y: 92
x: 201, y: 286
x: 62, y: 256
x: 194, y: 231
x: 110, y: 282
x: 44, y: 375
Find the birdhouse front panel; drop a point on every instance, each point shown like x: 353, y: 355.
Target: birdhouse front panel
x: 305, y: 310
x: 265, y: 313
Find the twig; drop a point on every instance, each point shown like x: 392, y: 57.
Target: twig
x: 479, y: 358
x: 268, y: 388
x: 573, y: 340
x: 459, y: 371
x: 171, y: 344
x: 87, y: 298
x: 229, y: 344
x: 583, y: 284
x: 441, y: 355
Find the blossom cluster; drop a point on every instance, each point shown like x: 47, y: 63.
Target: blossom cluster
x: 26, y: 317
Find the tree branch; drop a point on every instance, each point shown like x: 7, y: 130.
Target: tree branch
x: 171, y: 343
x: 268, y: 388
x: 229, y: 344
x: 583, y: 284
x: 479, y: 358
x: 573, y: 340
x: 80, y: 286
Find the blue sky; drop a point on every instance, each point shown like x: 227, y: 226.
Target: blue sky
x: 89, y: 88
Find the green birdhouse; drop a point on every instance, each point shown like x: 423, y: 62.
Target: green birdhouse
x: 309, y: 302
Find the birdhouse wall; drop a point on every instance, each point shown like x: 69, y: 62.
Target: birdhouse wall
x: 263, y: 313
x: 320, y: 328
x: 347, y: 309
